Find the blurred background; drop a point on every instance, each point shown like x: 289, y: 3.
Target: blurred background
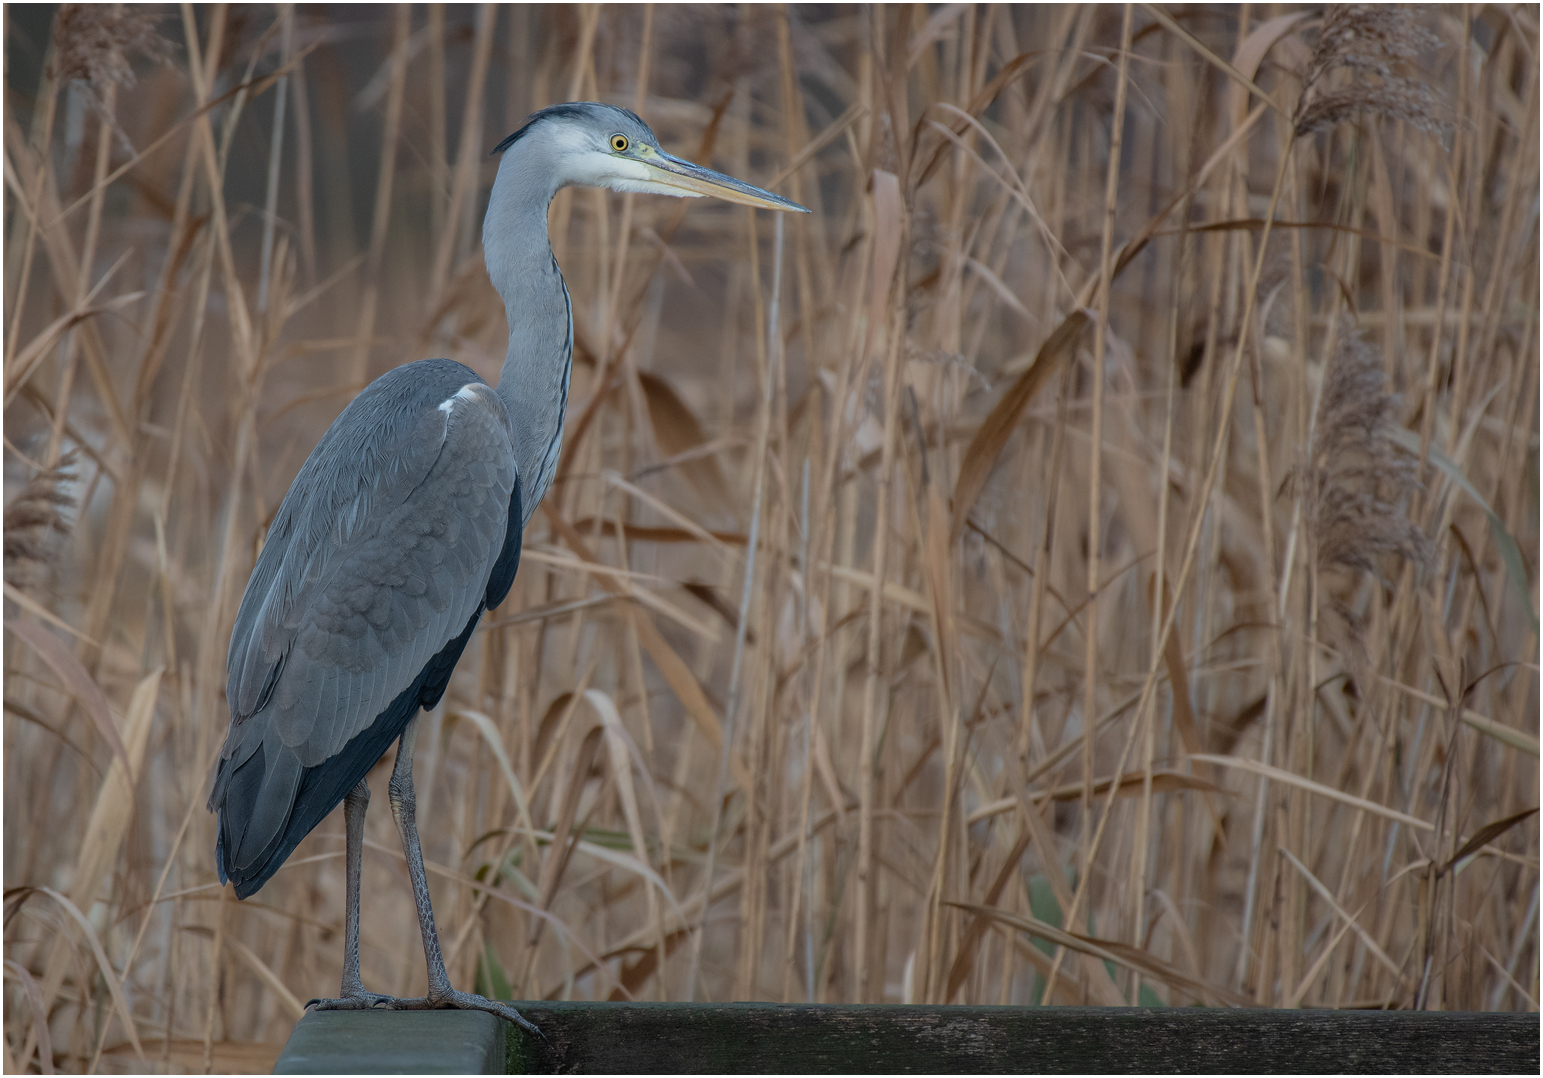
x: 1104, y: 532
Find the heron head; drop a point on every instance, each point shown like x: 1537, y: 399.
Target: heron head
x: 595, y: 145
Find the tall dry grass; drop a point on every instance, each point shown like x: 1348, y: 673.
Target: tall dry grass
x: 1091, y: 558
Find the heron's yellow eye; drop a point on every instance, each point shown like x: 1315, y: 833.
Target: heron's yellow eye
x: 619, y: 143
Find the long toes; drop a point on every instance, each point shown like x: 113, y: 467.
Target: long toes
x: 406, y: 1003
x: 364, y: 1001
x: 512, y: 1015
x: 469, y: 1002
x: 464, y: 1001
x: 346, y: 1003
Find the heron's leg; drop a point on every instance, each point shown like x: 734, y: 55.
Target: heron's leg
x: 353, y: 995
x: 404, y: 806
x: 354, y: 806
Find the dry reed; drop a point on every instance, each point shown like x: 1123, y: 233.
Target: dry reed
x: 1041, y: 575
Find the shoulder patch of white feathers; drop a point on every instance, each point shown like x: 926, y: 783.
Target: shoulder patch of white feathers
x: 469, y: 392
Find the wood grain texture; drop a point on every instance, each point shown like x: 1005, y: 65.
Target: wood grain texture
x: 763, y: 1038
x: 755, y: 1038
x: 395, y: 1042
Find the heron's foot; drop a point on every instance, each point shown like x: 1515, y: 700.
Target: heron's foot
x: 465, y: 1001
x: 355, y: 1001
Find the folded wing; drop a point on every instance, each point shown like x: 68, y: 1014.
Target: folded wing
x: 375, y: 568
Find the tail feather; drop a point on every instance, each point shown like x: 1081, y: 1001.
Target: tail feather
x: 271, y: 801
x: 268, y: 801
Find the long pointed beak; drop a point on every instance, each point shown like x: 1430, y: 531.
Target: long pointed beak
x: 673, y: 172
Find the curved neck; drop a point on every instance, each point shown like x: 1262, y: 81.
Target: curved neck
x: 534, y: 381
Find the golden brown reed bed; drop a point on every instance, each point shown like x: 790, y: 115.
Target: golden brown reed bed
x: 1295, y: 589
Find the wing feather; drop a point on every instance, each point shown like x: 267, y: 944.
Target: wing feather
x: 379, y: 555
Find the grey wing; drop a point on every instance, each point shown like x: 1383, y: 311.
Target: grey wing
x: 383, y: 558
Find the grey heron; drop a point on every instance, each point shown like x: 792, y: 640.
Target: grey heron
x: 400, y: 529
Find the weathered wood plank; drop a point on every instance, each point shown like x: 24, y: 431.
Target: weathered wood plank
x: 395, y: 1042
x: 759, y: 1038
x: 752, y: 1038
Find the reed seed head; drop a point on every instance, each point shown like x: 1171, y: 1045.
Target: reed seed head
x: 34, y: 520
x: 94, y: 43
x: 1371, y: 48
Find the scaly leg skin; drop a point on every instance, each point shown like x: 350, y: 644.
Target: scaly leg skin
x: 404, y: 807
x: 354, y: 997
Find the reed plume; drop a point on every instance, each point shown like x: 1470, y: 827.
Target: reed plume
x: 1358, y: 479
x: 37, y: 519
x: 1363, y: 61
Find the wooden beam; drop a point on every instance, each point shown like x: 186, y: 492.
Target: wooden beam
x: 765, y: 1038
